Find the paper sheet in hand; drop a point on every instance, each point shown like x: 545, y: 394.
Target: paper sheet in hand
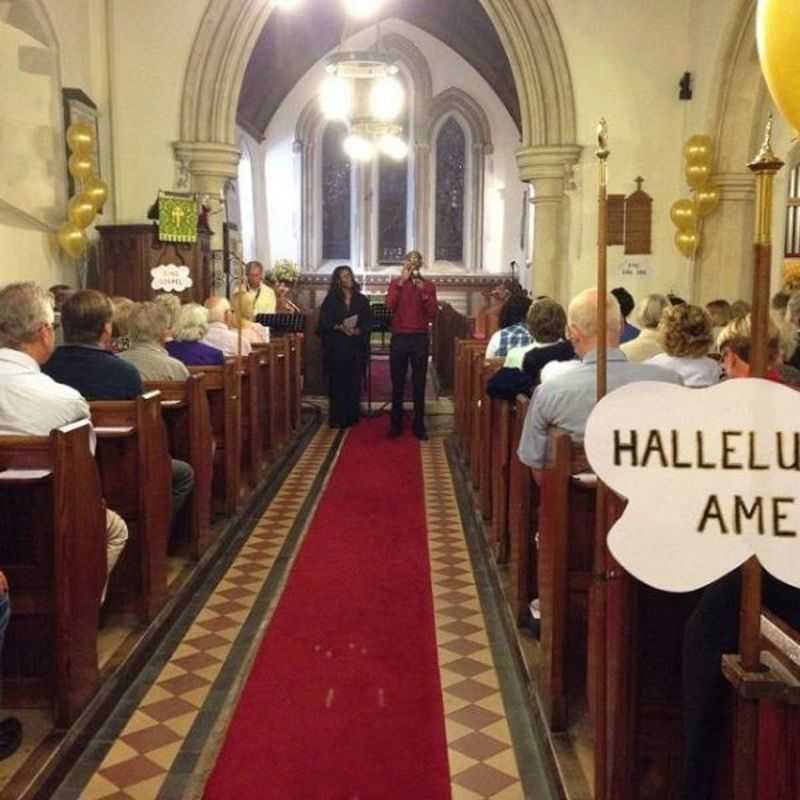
x: 351, y: 321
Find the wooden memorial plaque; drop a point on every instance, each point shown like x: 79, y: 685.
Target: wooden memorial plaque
x: 616, y: 219
x: 638, y: 222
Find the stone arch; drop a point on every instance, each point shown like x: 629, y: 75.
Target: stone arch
x: 528, y: 31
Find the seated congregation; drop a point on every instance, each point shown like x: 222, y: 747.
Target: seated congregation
x: 125, y: 453
x: 629, y: 679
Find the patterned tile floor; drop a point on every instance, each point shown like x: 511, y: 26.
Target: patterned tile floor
x: 482, y: 760
x: 143, y: 760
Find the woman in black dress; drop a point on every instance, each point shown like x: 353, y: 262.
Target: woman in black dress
x: 345, y: 322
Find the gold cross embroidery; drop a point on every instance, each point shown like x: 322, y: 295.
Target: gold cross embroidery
x: 177, y: 215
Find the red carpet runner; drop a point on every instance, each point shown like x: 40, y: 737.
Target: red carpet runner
x: 344, y: 701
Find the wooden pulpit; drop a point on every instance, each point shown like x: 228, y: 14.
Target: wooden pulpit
x: 129, y: 252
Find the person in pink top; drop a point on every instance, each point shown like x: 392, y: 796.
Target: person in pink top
x: 412, y: 301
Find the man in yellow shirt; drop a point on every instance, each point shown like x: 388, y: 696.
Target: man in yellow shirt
x: 264, y: 300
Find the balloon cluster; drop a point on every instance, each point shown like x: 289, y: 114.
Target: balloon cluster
x: 91, y: 195
x: 777, y: 32
x: 688, y: 212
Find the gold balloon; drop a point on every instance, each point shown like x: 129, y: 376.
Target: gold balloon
x: 699, y: 150
x: 706, y: 200
x: 687, y: 242
x: 697, y: 175
x: 80, y: 138
x: 97, y: 191
x: 81, y: 210
x: 72, y: 240
x: 80, y: 166
x: 684, y: 214
x: 777, y: 34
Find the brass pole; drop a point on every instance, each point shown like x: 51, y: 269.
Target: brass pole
x: 601, y: 504
x: 765, y: 166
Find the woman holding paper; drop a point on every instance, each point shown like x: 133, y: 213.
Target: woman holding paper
x: 345, y: 323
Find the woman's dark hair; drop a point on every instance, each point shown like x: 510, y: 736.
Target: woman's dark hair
x: 625, y: 300
x: 335, y: 284
x: 514, y: 310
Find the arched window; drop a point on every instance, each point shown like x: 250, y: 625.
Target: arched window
x: 246, y: 206
x: 792, y: 245
x: 393, y: 204
x: 451, y: 163
x: 335, y: 194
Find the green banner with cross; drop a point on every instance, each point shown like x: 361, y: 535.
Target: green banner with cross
x: 177, y: 217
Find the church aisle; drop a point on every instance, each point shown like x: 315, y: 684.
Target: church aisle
x: 374, y: 677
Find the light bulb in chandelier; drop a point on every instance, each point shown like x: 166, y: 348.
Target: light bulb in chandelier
x: 336, y: 97
x: 386, y: 98
x: 362, y: 8
x: 358, y: 147
x: 393, y: 146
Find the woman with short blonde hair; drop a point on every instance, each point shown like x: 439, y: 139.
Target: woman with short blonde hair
x: 190, y: 329
x: 242, y: 317
x: 685, y: 332
x: 647, y: 344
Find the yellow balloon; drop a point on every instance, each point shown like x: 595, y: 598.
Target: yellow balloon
x: 80, y: 166
x: 699, y: 150
x: 81, y: 210
x: 697, y: 175
x: 687, y: 242
x: 684, y: 214
x: 777, y: 34
x: 80, y: 138
x: 706, y: 200
x: 97, y: 191
x: 72, y: 240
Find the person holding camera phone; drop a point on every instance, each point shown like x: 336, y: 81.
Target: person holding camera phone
x: 412, y: 301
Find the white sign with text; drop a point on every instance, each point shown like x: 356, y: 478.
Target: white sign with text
x: 170, y: 278
x: 711, y: 477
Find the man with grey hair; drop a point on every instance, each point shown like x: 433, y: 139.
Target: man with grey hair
x: 220, y: 335
x: 567, y: 400
x: 264, y: 298
x: 149, y: 325
x: 32, y: 403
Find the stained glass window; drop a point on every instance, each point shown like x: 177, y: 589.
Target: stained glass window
x: 392, y: 200
x: 335, y: 195
x: 792, y: 247
x: 451, y: 157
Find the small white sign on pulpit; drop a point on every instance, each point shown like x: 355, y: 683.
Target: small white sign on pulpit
x: 170, y: 278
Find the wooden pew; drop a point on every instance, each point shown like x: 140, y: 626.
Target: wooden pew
x: 267, y: 407
x: 503, y: 416
x: 53, y: 552
x: 449, y: 327
x: 253, y: 423
x: 223, y: 387
x: 472, y: 355
x: 280, y: 363
x: 566, y: 537
x: 461, y: 372
x: 486, y: 435
x: 185, y: 408
x: 295, y: 379
x: 136, y: 474
x: 519, y: 502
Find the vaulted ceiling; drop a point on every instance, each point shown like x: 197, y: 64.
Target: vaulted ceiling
x: 292, y: 42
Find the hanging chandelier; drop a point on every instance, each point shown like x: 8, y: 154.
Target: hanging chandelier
x: 363, y: 91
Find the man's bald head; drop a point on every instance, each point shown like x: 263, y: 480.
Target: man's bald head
x: 218, y: 308
x: 582, y: 321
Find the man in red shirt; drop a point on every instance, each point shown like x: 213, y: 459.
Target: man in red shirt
x: 412, y: 301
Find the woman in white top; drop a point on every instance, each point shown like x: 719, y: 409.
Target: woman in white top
x: 687, y: 338
x: 647, y: 344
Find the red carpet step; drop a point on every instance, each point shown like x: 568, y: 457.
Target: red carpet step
x: 344, y: 700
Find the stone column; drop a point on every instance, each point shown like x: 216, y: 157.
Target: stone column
x: 420, y: 239
x: 723, y: 266
x: 548, y: 169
